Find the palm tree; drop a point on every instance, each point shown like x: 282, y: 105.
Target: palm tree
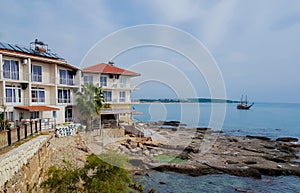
x: 99, y: 99
x: 89, y: 102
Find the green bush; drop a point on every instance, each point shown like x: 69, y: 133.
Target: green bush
x: 95, y: 177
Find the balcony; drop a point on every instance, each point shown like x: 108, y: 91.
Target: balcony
x: 68, y: 81
x: 14, y: 101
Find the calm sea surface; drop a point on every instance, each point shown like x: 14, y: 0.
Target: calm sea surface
x: 264, y: 119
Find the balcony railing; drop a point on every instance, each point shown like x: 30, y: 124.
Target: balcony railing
x: 63, y: 101
x: 36, y: 78
x: 67, y: 81
x: 115, y: 111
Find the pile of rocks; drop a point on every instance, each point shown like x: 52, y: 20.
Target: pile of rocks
x: 140, y: 147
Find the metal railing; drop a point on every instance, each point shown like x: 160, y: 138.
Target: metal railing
x: 10, y: 135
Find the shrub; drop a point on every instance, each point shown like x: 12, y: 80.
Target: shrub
x: 95, y: 177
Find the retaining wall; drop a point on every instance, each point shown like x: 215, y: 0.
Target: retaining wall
x: 22, y: 168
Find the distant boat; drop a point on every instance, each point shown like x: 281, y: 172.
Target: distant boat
x: 243, y: 105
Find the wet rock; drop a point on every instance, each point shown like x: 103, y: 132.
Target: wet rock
x: 259, y: 137
x: 287, y: 139
x: 136, y: 162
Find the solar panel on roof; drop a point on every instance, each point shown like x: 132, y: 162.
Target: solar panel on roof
x: 6, y: 46
x: 17, y: 48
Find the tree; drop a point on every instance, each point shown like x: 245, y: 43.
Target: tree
x: 89, y: 102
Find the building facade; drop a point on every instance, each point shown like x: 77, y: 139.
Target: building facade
x: 115, y: 84
x: 36, y: 83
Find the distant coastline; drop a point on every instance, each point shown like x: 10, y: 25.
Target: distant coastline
x: 186, y: 100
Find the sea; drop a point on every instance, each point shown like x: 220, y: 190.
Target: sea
x: 263, y: 119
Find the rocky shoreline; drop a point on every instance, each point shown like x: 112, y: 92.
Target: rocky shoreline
x: 203, y: 151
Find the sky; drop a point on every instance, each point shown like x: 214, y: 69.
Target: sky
x: 254, y: 43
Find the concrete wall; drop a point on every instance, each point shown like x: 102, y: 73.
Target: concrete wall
x: 22, y: 168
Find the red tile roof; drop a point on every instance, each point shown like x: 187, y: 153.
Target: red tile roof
x: 109, y: 69
x: 37, y: 108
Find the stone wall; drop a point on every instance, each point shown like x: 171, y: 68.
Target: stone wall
x: 113, y: 133
x: 22, y: 168
x: 3, y: 138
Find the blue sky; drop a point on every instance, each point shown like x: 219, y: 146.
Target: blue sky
x: 255, y: 43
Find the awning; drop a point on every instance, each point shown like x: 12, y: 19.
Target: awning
x: 36, y: 108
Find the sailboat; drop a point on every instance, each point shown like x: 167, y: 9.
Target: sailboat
x: 243, y: 105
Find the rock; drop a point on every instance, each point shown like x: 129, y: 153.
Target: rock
x: 146, y: 152
x: 259, y: 137
x: 287, y: 139
x: 232, y: 140
x: 134, y: 150
x: 231, y: 162
x: 136, y: 162
x: 152, y: 191
x: 250, y: 162
x: 202, y: 129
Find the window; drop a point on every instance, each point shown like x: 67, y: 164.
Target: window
x: 54, y: 114
x: 64, y: 96
x: 87, y: 79
x: 66, y: 77
x: 34, y: 114
x: 122, y: 82
x: 36, y: 72
x: 37, y: 95
x: 9, y: 116
x: 68, y: 115
x: 13, y: 93
x: 11, y: 69
x: 103, y: 81
x: 107, y: 96
x: 122, y: 96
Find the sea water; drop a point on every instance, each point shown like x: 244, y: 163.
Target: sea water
x: 264, y: 119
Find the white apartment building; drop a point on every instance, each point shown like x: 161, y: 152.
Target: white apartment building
x: 115, y: 84
x: 36, y: 83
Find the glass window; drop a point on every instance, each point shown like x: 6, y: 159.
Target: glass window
x: 11, y: 69
x: 68, y: 114
x: 103, y: 81
x: 36, y: 72
x: 87, y: 79
x: 9, y: 116
x: 122, y: 96
x: 66, y: 77
x: 37, y: 95
x: 64, y: 96
x: 63, y: 76
x: 54, y: 114
x: 70, y: 77
x: 122, y: 82
x: 107, y: 96
x: 34, y: 115
x: 13, y: 93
